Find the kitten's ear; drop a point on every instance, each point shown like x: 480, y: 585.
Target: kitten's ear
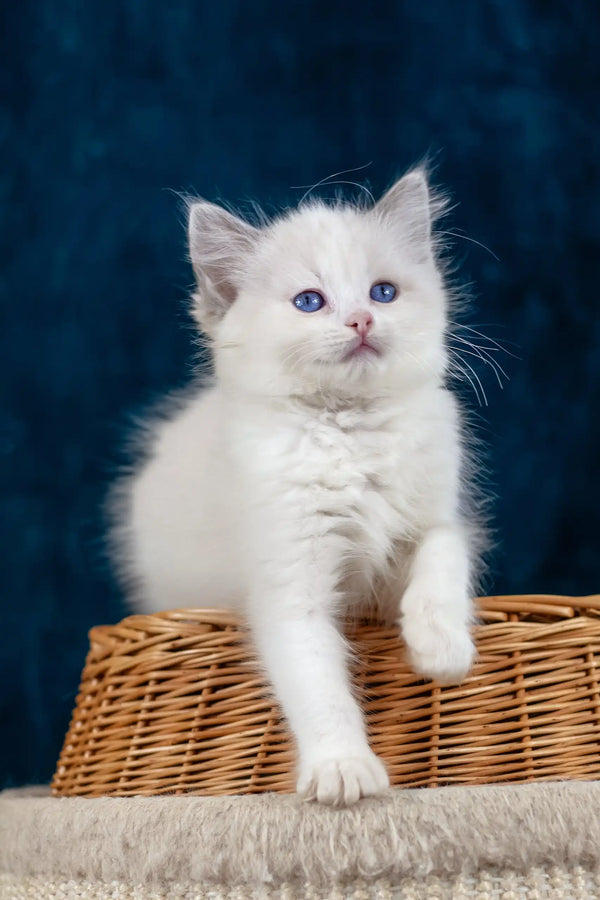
x: 219, y: 243
x: 407, y: 206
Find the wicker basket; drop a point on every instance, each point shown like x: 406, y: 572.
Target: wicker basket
x: 175, y: 703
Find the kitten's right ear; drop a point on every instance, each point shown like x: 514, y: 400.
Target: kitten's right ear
x: 218, y: 242
x: 408, y: 207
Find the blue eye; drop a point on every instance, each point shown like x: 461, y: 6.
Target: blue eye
x: 308, y: 301
x: 382, y: 292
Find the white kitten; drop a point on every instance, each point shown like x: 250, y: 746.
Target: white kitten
x: 319, y: 473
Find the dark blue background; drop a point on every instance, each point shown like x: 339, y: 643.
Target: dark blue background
x: 106, y: 106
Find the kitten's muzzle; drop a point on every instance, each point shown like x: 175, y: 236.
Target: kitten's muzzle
x: 361, y: 321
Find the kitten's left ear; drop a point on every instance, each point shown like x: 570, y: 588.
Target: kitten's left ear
x: 219, y: 246
x: 407, y: 207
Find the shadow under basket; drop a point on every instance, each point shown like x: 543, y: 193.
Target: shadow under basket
x: 175, y: 703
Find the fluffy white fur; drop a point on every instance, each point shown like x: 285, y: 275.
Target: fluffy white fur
x: 303, y: 483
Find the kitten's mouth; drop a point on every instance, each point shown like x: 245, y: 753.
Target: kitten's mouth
x: 361, y: 348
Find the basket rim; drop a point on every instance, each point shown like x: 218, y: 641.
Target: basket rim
x: 561, y: 605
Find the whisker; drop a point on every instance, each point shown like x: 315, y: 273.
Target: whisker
x: 297, y: 356
x: 324, y: 181
x: 227, y: 345
x: 418, y: 361
x: 457, y: 366
x: 492, y: 361
x: 484, y: 336
x: 472, y: 240
x: 486, y: 361
x: 455, y: 337
x: 477, y: 378
x: 355, y: 184
x: 483, y: 355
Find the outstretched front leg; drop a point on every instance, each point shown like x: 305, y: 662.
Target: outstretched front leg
x: 305, y: 657
x: 436, y: 608
x: 292, y: 615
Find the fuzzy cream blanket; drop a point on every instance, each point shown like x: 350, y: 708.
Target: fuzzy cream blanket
x: 533, y: 840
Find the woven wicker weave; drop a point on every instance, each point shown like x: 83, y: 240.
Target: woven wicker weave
x: 174, y: 703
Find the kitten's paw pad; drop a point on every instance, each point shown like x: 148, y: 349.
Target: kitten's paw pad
x: 440, y: 650
x: 342, y: 780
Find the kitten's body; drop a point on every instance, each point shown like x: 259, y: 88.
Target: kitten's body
x: 373, y: 478
x: 314, y: 477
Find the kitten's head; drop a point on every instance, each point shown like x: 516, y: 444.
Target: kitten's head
x: 339, y: 300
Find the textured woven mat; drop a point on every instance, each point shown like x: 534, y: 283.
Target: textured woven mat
x: 555, y: 884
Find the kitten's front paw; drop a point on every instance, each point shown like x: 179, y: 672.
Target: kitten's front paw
x: 340, y: 781
x: 441, y: 650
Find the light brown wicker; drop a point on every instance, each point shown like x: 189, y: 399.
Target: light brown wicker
x: 175, y: 702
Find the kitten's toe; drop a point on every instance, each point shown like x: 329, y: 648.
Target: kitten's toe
x: 439, y: 650
x: 342, y: 781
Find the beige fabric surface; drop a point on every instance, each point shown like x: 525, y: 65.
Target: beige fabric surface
x: 555, y: 884
x: 171, y: 848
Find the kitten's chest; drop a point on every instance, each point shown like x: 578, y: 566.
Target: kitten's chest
x: 337, y: 480
x: 358, y: 474
x: 361, y: 471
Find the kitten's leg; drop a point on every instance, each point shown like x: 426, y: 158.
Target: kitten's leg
x: 305, y: 658
x: 436, y: 607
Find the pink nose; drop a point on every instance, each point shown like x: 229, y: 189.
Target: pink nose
x: 362, y: 321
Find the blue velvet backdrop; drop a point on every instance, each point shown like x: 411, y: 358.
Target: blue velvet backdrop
x: 107, y: 106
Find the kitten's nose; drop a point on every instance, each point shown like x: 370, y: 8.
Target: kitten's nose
x: 361, y: 320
